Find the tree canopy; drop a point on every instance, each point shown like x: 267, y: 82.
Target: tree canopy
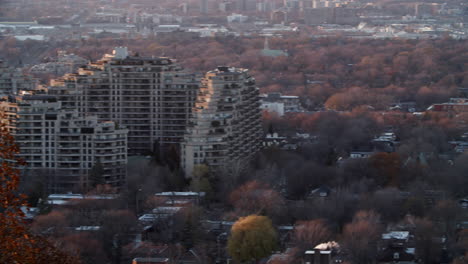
x: 252, y: 238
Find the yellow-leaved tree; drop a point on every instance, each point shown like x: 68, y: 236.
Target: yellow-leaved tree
x: 252, y: 238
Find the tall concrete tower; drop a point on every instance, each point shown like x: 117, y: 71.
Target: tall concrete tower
x: 226, y: 121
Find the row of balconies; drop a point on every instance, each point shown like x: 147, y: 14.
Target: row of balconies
x: 110, y: 145
x: 129, y: 110
x: 173, y: 122
x: 126, y: 119
x: 28, y: 137
x: 26, y: 126
x: 29, y: 132
x: 172, y: 132
x: 127, y: 99
x: 133, y: 104
x: 134, y: 93
x: 100, y: 140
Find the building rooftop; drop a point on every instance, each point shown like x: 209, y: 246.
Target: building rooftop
x: 400, y: 235
x: 181, y: 194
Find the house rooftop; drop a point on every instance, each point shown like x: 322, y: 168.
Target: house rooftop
x: 400, y: 235
x: 201, y: 194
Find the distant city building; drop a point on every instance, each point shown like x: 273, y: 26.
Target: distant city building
x: 237, y: 18
x: 265, y: 6
x: 331, y: 15
x: 345, y: 16
x: 291, y: 103
x: 426, y: 10
x: 318, y: 16
x: 279, y: 16
x: 64, y: 145
x: 12, y: 80
x: 266, y: 51
x: 226, y: 121
x: 241, y: 5
x: 273, y: 107
x: 454, y: 105
x: 226, y: 6
x: 65, y: 63
x: 204, y: 6
x: 152, y: 97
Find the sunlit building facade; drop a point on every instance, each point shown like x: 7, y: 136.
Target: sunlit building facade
x: 225, y: 125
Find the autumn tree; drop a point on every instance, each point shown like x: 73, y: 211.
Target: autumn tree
x: 54, y: 224
x: 308, y: 234
x: 336, y: 210
x: 387, y: 167
x: 447, y: 214
x: 229, y: 176
x: 255, y: 197
x: 201, y: 180
x: 86, y: 245
x: 116, y: 225
x: 305, y: 176
x: 17, y: 244
x: 427, y: 250
x: 360, y: 237
x: 252, y: 238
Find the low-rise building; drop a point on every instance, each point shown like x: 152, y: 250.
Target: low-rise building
x: 291, y: 103
x: 72, y: 198
x: 396, y: 247
x: 273, y: 107
x: 454, y: 105
x: 325, y: 253
x: 181, y: 198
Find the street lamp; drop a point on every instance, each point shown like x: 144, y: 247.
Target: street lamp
x: 137, y: 201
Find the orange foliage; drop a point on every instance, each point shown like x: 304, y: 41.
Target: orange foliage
x: 256, y: 197
x: 17, y: 245
x: 388, y: 167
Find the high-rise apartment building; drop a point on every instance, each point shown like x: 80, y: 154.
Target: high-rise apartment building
x: 152, y: 97
x: 12, y: 80
x: 204, y: 6
x: 225, y: 124
x: 65, y: 145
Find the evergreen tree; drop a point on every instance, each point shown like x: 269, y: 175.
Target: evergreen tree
x: 96, y: 175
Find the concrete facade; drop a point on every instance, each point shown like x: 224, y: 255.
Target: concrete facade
x: 226, y: 121
x: 12, y: 80
x: 152, y: 97
x: 65, y: 145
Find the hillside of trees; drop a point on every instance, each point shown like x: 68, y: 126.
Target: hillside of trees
x: 338, y: 73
